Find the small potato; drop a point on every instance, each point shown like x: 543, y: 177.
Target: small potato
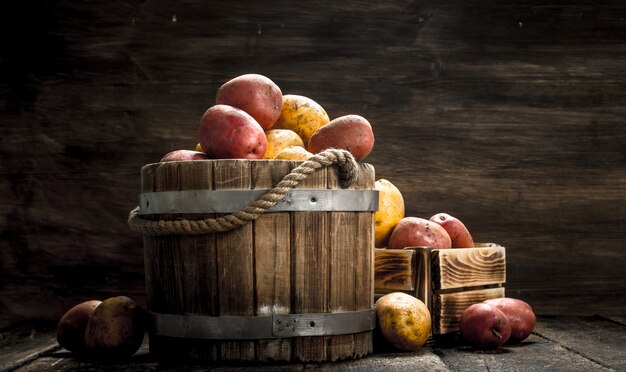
x: 293, y: 153
x: 71, y: 327
x: 403, y: 320
x: 227, y: 132
x: 184, y: 155
x: 416, y: 232
x: 484, y: 326
x: 352, y: 133
x: 255, y: 94
x: 116, y: 329
x: 521, y: 317
x: 460, y: 236
x: 280, y: 139
x: 302, y: 115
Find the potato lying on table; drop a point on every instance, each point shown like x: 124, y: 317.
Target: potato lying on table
x: 403, y: 320
x: 71, y: 327
x: 352, y: 133
x: 116, y: 329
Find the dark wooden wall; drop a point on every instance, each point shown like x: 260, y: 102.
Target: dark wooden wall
x: 507, y: 114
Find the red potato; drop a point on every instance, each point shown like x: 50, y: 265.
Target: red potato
x: 184, y: 155
x: 521, y: 317
x: 256, y: 94
x: 460, y: 236
x: 415, y: 232
x: 484, y: 326
x: 227, y: 132
x: 352, y: 133
x: 71, y: 327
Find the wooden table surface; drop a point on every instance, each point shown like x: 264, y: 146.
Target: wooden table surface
x: 559, y: 343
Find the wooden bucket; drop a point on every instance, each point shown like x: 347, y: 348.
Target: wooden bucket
x: 289, y: 286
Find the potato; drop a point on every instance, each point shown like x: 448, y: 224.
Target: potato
x: 352, y: 133
x: 521, y: 317
x: 116, y: 328
x: 184, y: 155
x: 279, y: 139
x: 484, y: 326
x: 460, y: 236
x: 227, y: 132
x: 302, y: 115
x: 255, y: 94
x: 403, y: 320
x: 71, y: 327
x: 390, y: 211
x: 293, y: 153
x: 416, y: 232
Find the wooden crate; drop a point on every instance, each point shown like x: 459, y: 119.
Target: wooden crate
x: 447, y: 280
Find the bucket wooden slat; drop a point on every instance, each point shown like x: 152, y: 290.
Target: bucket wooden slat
x: 184, y: 265
x: 342, y: 269
x: 310, y: 252
x: 235, y: 260
x: 364, y: 262
x: 272, y: 244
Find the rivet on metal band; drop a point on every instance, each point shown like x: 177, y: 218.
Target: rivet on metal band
x: 261, y: 327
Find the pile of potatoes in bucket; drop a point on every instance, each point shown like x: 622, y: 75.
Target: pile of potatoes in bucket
x: 252, y: 119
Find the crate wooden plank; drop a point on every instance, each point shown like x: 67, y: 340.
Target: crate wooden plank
x: 448, y: 307
x: 458, y: 268
x: 394, y: 270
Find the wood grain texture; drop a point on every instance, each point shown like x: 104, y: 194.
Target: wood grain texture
x: 311, y: 284
x: 394, y: 270
x: 272, y: 260
x: 468, y: 267
x: 565, y: 343
x: 448, y: 307
x: 507, y: 115
x: 180, y: 270
x: 364, y: 261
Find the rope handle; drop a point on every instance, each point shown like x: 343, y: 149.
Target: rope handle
x: 348, y: 173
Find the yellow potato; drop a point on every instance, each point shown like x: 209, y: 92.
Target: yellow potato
x: 116, y: 328
x: 279, y: 139
x: 390, y: 211
x: 293, y: 153
x: 302, y: 115
x: 403, y: 320
x: 198, y: 147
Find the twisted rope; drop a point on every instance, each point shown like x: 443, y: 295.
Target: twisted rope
x: 348, y: 173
